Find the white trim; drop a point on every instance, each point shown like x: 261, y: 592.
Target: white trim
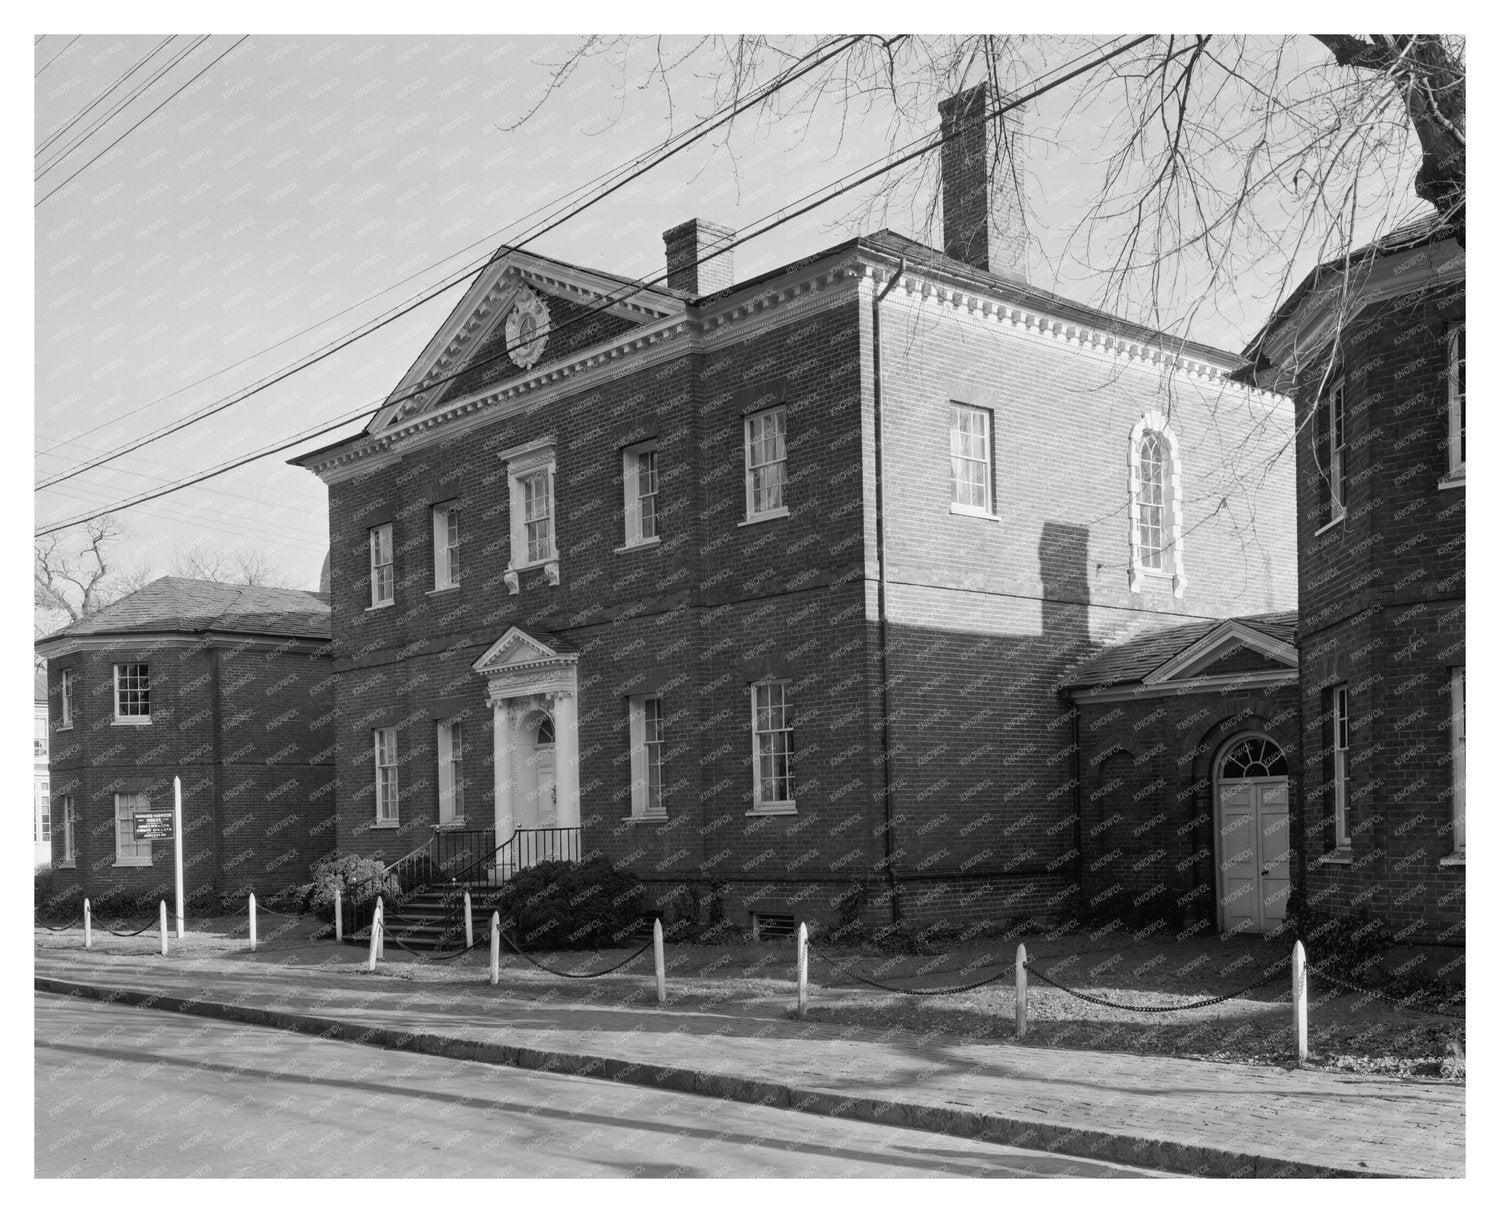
x: 1337, y: 476
x: 1456, y: 860
x: 382, y: 541
x: 1341, y: 856
x: 1455, y: 374
x: 965, y: 511
x: 387, y: 815
x: 1458, y: 751
x: 773, y: 511
x: 1229, y: 635
x: 957, y: 409
x: 450, y: 765
x: 522, y: 463
x: 1273, y: 679
x: 135, y: 718
x: 1226, y: 748
x: 631, y: 458
x: 1328, y: 526
x: 781, y: 805
x: 1155, y: 422
x: 137, y: 859
x: 70, y: 831
x: 1343, y: 837
x: 639, y: 756
x: 65, y: 709
x: 447, y: 540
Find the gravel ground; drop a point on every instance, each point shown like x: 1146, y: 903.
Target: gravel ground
x: 1347, y: 1031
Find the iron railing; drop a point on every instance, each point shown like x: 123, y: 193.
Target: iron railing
x: 525, y: 848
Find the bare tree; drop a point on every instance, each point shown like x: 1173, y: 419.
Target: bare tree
x: 237, y: 566
x: 76, y: 573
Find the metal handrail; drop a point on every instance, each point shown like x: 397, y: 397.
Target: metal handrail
x: 516, y: 844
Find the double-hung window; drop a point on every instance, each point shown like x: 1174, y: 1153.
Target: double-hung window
x: 450, y: 757
x: 1337, y: 445
x: 39, y: 733
x: 647, y: 761
x: 531, y: 470
x: 385, y: 777
x: 133, y: 693
x: 1151, y: 502
x: 70, y: 831
x: 771, y: 711
x: 1340, y: 697
x: 765, y: 464
x: 1460, y: 758
x: 444, y: 546
x: 1456, y: 407
x: 382, y: 565
x: 536, y: 496
x: 640, y: 494
x: 969, y: 450
x: 66, y: 708
x: 41, y: 829
x: 129, y: 852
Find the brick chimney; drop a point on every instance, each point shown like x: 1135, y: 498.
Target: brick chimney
x: 687, y: 244
x: 982, y: 219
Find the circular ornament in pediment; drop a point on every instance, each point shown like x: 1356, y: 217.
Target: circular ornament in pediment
x: 526, y: 329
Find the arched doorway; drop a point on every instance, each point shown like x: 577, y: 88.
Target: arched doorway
x: 1253, y: 835
x: 536, y: 807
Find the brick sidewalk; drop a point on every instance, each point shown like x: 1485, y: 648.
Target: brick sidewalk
x: 1163, y: 1112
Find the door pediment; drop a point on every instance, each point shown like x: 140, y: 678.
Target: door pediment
x: 526, y: 663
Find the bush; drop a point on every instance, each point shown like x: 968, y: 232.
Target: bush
x: 358, y: 878
x: 1346, y: 946
x: 572, y: 905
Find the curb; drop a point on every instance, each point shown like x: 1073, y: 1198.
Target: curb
x: 1096, y: 1144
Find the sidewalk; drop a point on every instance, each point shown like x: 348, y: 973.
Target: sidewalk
x: 1162, y: 1112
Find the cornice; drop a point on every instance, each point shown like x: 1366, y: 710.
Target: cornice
x: 94, y: 643
x: 1219, y: 683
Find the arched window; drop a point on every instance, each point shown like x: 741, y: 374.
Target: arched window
x: 1155, y: 505
x: 1253, y: 758
x: 544, y: 731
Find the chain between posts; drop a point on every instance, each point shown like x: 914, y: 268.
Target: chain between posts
x: 1400, y: 1004
x: 1041, y: 975
x: 559, y: 973
x: 900, y: 990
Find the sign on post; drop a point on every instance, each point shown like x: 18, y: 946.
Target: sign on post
x: 153, y: 824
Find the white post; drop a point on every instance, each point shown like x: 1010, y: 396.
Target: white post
x: 1299, y: 999
x: 801, y: 968
x: 88, y: 925
x: 177, y: 844
x: 338, y: 914
x: 163, y: 904
x: 252, y: 922
x: 1020, y: 990
x: 661, y: 963
x: 374, y: 938
x: 495, y: 948
x: 379, y: 934
x: 468, y: 921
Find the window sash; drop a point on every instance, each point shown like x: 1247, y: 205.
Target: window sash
x: 772, y: 714
x: 1341, y: 767
x: 536, y: 498
x: 67, y: 699
x: 445, y: 536
x: 386, y: 786
x: 41, y: 829
x: 451, y: 769
x: 1457, y: 403
x: 382, y: 565
x: 970, y: 454
x: 1151, y: 502
x: 133, y: 691
x: 645, y: 495
x: 765, y: 462
x: 1336, y: 443
x: 1460, y: 755
x: 39, y: 735
x: 647, y: 756
x: 127, y: 849
x: 70, y: 827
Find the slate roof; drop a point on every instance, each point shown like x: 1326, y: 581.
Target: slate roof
x: 183, y: 604
x: 1131, y: 660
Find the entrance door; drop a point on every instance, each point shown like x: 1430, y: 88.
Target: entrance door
x: 1254, y: 838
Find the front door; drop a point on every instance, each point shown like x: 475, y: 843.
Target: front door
x: 1254, y: 855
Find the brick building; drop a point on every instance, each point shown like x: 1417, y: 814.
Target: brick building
x: 1372, y: 347
x: 41, y: 798
x: 765, y: 588
x: 226, y: 686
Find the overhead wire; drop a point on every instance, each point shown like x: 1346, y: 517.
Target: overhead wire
x: 55, y: 57
x: 930, y: 142
x: 98, y: 97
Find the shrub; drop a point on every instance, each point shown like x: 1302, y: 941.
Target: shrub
x: 572, y: 905
x: 358, y: 878
x: 1346, y: 946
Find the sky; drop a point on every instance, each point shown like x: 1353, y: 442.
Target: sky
x: 300, y: 186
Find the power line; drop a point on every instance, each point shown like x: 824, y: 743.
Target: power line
x: 930, y: 142
x: 55, y: 57
x: 98, y: 97
x: 632, y: 170
x: 177, y: 467
x: 146, y: 119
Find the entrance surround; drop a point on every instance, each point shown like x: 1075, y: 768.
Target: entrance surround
x: 528, y: 674
x: 1254, y: 838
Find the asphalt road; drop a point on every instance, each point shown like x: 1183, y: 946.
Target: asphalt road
x: 128, y: 1092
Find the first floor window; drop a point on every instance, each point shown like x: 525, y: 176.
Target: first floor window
x: 70, y: 831
x: 67, y: 699
x: 39, y: 734
x: 129, y: 852
x: 450, y: 754
x: 1456, y: 406
x: 385, y: 775
x: 133, y: 691
x: 772, y: 711
x: 1341, y: 766
x: 444, y: 547
x: 1460, y: 758
x: 647, y: 743
x: 765, y: 462
x: 41, y: 826
x: 382, y: 565
x: 969, y: 447
x: 640, y: 493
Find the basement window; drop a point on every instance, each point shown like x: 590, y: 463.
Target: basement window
x: 772, y: 926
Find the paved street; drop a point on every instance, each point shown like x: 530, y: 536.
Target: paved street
x: 129, y: 1092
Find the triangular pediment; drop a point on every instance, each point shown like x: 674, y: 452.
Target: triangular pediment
x: 518, y: 649
x: 520, y: 313
x: 1233, y: 647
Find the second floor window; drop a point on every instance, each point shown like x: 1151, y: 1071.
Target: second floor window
x: 1341, y: 835
x: 1151, y: 502
x: 536, y: 497
x: 640, y: 494
x: 765, y: 463
x: 39, y: 735
x: 385, y: 777
x: 969, y: 447
x: 1456, y: 407
x: 382, y: 565
x: 1337, y: 441
x: 444, y: 547
x: 133, y: 692
x: 66, y: 709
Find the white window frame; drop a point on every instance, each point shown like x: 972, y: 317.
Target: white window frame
x: 450, y: 772
x: 642, y: 526
x: 447, y: 533
x: 70, y: 832
x: 387, y: 795
x: 39, y: 740
x: 128, y: 852
x: 645, y: 752
x: 41, y: 824
x: 382, y: 566
x: 1337, y: 422
x: 957, y: 457
x: 1459, y: 743
x: 523, y: 464
x: 1340, y: 699
x: 132, y: 717
x: 1171, y: 556
x: 761, y: 802
x: 757, y: 425
x: 1457, y: 437
x: 66, y: 706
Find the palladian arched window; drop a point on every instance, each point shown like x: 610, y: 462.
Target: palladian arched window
x: 1155, y: 506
